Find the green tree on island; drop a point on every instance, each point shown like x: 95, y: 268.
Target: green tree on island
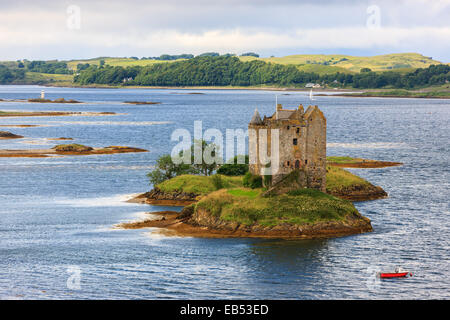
x: 233, y: 167
x: 167, y: 167
x: 209, y: 160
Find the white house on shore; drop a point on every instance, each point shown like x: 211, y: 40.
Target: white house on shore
x: 312, y: 85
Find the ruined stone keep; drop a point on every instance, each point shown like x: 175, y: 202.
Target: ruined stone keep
x: 302, y: 145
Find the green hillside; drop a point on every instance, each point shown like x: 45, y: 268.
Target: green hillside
x: 37, y: 77
x: 317, y: 63
x: 391, y: 71
x: 352, y: 63
x: 116, y: 62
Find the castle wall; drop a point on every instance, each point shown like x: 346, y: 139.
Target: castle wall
x: 307, y: 152
x: 316, y: 153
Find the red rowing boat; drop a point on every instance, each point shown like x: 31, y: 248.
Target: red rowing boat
x: 398, y: 273
x: 394, y: 275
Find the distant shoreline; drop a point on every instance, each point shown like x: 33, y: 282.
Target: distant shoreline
x: 100, y: 86
x: 351, y: 95
x: 318, y: 92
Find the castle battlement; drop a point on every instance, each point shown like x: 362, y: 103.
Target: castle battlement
x: 302, y: 144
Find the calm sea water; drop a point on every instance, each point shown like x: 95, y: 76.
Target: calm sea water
x: 57, y: 214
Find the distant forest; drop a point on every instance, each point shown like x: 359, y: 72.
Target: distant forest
x: 230, y: 71
x: 9, y: 75
x: 210, y: 69
x: 49, y: 67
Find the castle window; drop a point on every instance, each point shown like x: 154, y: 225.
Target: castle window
x: 288, y: 163
x: 288, y: 127
x: 295, y: 141
x: 306, y: 161
x: 298, y: 130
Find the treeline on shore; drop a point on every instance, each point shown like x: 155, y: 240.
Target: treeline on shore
x: 210, y: 69
x: 16, y: 73
x: 231, y: 71
x: 50, y: 67
x: 9, y: 75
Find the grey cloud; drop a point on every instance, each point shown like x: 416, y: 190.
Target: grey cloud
x: 175, y: 22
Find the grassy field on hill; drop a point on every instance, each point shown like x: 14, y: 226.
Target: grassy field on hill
x: 318, y: 63
x: 322, y: 69
x: 36, y: 77
x: 318, y: 68
x: 405, y: 61
x: 116, y: 62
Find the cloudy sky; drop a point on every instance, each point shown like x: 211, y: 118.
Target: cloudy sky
x: 84, y: 29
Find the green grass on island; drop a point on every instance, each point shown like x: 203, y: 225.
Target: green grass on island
x: 241, y: 192
x: 303, y: 206
x: 230, y: 201
x: 198, y: 184
x: 338, y: 179
x: 337, y: 159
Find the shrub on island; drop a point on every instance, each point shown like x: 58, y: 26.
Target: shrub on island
x: 233, y: 167
x: 72, y: 148
x: 252, y: 181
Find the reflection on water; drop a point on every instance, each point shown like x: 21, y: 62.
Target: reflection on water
x: 289, y: 253
x: 61, y: 212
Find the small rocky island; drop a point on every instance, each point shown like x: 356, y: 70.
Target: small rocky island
x: 141, y: 102
x: 308, y: 197
x: 59, y: 100
x: 239, y: 211
x: 51, y: 113
x: 349, y: 162
x: 4, y: 135
x: 67, y: 150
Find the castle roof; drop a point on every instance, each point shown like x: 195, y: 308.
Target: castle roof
x: 256, y: 119
x: 311, y: 110
x: 283, y: 114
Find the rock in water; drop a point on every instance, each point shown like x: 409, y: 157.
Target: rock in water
x: 9, y: 135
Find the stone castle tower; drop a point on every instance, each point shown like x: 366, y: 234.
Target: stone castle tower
x: 302, y: 144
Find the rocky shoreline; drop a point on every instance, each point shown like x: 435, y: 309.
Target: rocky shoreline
x: 357, y: 193
x: 204, y: 225
x: 158, y: 197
